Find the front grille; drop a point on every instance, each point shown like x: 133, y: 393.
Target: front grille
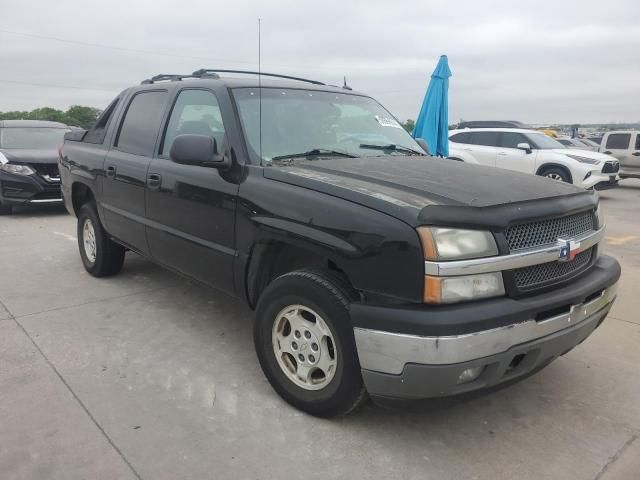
x: 50, y: 169
x: 50, y: 192
x: 529, y: 278
x: 547, y: 232
x: 611, y: 167
x: 45, y: 170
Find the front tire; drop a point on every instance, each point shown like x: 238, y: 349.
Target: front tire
x: 100, y: 255
x: 304, y: 341
x: 557, y: 174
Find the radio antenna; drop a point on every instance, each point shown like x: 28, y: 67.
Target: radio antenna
x: 260, y: 86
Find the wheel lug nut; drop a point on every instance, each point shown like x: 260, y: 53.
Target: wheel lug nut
x: 312, y: 358
x: 307, y: 334
x: 294, y: 345
x: 314, y: 347
x: 301, y: 357
x: 297, y: 334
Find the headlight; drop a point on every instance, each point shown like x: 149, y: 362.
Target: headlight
x: 599, y: 217
x: 17, y: 169
x: 581, y: 159
x: 456, y: 244
x: 460, y: 289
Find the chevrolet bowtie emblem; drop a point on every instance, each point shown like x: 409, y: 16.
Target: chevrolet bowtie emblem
x: 568, y: 250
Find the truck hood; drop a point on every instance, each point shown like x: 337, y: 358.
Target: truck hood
x: 415, y: 188
x: 15, y: 155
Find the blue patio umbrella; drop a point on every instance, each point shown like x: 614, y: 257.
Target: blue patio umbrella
x: 432, y: 124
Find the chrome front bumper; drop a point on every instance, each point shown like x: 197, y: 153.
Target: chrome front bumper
x: 389, y: 353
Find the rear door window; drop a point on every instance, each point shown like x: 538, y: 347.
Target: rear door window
x: 618, y: 141
x: 460, y: 137
x: 487, y: 139
x: 139, y: 128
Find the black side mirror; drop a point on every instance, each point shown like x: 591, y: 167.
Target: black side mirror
x: 75, y: 135
x: 198, y: 150
x: 423, y: 144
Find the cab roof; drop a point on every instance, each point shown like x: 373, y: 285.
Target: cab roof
x: 246, y: 79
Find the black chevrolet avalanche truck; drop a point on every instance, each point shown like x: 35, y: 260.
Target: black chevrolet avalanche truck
x: 374, y: 269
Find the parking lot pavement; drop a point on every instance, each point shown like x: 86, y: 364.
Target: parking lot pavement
x: 145, y: 375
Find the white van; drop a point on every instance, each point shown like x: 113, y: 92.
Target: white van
x: 625, y: 146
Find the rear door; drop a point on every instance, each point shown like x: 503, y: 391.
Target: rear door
x: 483, y: 145
x: 191, y: 209
x: 125, y: 168
x: 509, y: 156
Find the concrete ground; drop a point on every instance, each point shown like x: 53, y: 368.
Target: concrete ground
x: 145, y: 375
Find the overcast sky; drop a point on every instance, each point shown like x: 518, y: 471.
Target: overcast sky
x: 539, y: 62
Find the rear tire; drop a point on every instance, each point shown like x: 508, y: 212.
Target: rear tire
x: 304, y: 340
x: 5, y: 209
x: 100, y: 255
x: 557, y: 174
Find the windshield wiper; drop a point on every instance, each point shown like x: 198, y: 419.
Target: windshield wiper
x: 316, y: 152
x: 391, y: 148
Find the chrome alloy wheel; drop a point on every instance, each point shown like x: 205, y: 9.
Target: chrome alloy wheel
x: 89, y: 240
x: 304, y: 347
x: 554, y: 176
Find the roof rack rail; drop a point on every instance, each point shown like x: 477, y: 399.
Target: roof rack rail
x: 174, y: 77
x: 207, y: 71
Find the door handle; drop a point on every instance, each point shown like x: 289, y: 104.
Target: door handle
x: 154, y: 181
x: 111, y: 171
x: 466, y: 149
x: 503, y: 154
x: 608, y: 152
x: 636, y: 154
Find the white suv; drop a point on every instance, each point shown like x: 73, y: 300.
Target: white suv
x: 533, y: 152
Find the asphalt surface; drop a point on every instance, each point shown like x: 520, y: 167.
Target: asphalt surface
x: 145, y: 375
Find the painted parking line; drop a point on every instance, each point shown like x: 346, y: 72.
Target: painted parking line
x: 622, y: 240
x: 65, y: 235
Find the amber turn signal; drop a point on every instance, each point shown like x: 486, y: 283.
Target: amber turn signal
x: 428, y: 244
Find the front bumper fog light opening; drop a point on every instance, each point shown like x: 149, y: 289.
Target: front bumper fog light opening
x: 470, y: 374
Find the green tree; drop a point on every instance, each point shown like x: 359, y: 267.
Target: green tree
x: 80, y: 116
x: 46, y: 113
x: 75, y: 116
x: 409, y: 125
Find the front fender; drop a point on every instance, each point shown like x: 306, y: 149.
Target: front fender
x: 379, y: 253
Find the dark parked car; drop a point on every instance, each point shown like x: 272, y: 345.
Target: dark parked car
x: 29, y: 162
x: 372, y: 268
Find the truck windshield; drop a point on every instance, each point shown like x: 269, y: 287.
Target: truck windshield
x: 31, y: 138
x: 295, y: 122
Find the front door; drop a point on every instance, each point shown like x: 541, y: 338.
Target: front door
x: 509, y: 156
x: 191, y: 209
x: 125, y: 168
